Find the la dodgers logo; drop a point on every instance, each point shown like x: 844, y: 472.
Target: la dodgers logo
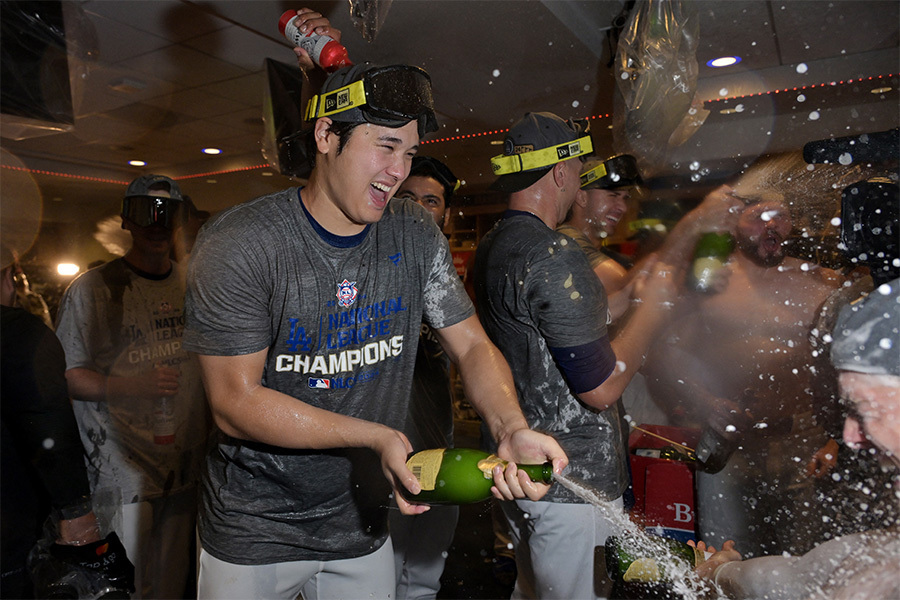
x: 346, y: 293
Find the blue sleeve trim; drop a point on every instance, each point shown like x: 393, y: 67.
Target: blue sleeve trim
x: 586, y: 366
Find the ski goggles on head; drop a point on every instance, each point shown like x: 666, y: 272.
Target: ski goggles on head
x: 617, y: 171
x: 505, y: 164
x: 389, y: 96
x: 145, y: 211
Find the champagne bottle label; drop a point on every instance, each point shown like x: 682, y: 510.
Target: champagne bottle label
x: 486, y: 465
x: 425, y: 466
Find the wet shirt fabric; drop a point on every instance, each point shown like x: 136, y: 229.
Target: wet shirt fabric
x: 120, y: 323
x: 594, y: 256
x: 429, y: 423
x: 535, y: 291
x: 341, y: 322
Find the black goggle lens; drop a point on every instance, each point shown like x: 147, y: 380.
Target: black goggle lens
x: 145, y: 211
x: 400, y: 91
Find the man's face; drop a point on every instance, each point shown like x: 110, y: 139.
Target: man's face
x: 366, y: 175
x: 428, y: 192
x: 875, y: 415
x: 761, y: 232
x: 605, y: 208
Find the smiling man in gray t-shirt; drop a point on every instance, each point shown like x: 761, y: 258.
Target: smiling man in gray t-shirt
x: 304, y: 307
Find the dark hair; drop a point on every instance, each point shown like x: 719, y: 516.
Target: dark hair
x: 339, y: 128
x: 426, y: 166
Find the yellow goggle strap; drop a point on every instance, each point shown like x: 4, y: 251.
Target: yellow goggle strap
x: 544, y: 157
x: 594, y: 174
x: 341, y: 99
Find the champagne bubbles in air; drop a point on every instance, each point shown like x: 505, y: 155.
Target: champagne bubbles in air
x: 814, y: 115
x: 802, y: 68
x: 48, y: 443
x: 496, y: 73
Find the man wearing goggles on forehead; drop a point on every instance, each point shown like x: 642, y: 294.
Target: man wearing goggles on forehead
x: 305, y: 307
x: 546, y: 310
x: 600, y: 204
x: 121, y: 326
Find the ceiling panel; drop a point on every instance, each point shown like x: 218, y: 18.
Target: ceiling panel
x: 161, y: 79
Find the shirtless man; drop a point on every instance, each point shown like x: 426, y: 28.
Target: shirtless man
x: 738, y: 364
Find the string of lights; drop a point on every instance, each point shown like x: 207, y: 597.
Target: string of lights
x: 468, y: 135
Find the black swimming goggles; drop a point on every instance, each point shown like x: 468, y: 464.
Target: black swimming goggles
x: 614, y: 172
x: 389, y: 96
x: 145, y: 211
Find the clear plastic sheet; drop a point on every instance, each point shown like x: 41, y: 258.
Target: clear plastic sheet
x: 46, y: 50
x: 656, y: 76
x: 368, y: 16
x: 284, y: 137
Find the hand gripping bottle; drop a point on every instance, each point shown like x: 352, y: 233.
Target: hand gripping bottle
x: 460, y: 475
x: 164, y: 420
x: 325, y: 52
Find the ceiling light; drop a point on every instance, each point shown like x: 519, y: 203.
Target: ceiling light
x: 881, y: 90
x: 496, y: 142
x: 728, y: 111
x: 137, y: 163
x: 67, y: 269
x: 212, y: 151
x: 267, y: 173
x: 723, y: 61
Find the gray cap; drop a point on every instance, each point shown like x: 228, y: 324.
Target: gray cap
x: 141, y: 186
x: 867, y: 333
x: 535, y: 131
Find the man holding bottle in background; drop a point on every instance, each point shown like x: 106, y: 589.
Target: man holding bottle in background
x: 137, y: 393
x: 736, y: 363
x: 304, y: 307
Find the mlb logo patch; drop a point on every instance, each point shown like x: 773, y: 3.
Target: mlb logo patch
x: 319, y: 384
x: 346, y: 293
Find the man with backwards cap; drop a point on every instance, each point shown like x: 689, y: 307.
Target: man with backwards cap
x: 304, y: 307
x: 544, y: 307
x: 121, y: 326
x: 860, y: 565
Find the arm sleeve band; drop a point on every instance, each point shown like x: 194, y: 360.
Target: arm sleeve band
x: 585, y: 366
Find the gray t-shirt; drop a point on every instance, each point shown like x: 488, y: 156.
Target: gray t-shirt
x: 536, y: 290
x: 119, y: 323
x: 340, y: 318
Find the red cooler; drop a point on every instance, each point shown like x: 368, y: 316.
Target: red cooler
x: 663, y: 488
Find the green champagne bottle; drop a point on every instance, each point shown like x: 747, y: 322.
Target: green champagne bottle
x: 460, y: 475
x: 629, y: 560
x: 710, y: 255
